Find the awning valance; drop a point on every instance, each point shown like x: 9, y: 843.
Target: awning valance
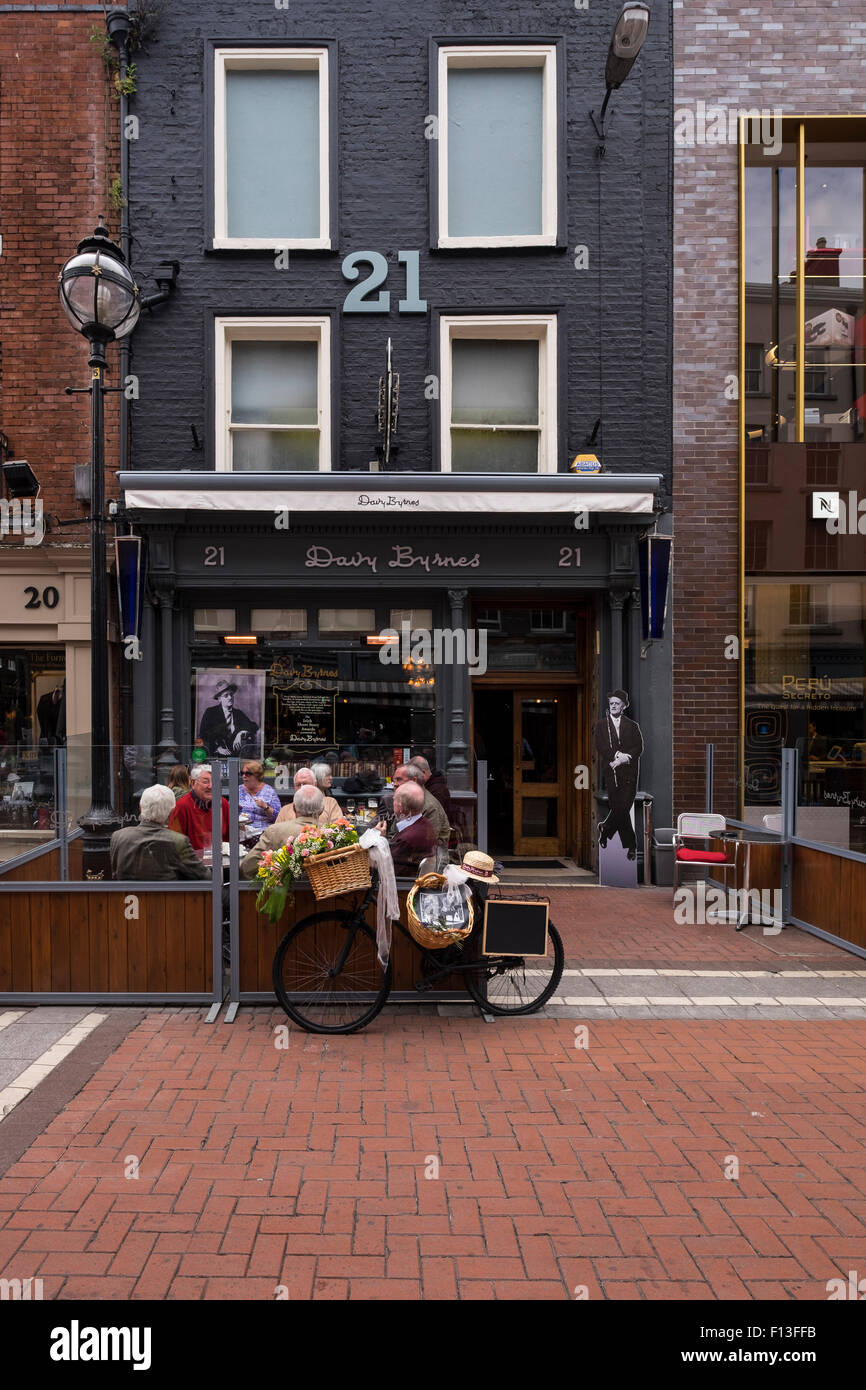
x: 406, y: 494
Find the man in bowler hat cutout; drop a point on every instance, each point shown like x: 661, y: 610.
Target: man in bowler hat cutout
x: 619, y: 744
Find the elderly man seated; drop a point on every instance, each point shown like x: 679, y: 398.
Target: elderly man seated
x: 432, y: 810
x: 311, y: 777
x: 150, y: 851
x: 308, y: 804
x: 414, y: 836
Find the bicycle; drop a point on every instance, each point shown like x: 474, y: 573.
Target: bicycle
x: 328, y: 978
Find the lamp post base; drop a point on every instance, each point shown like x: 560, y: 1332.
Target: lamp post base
x: 98, y: 825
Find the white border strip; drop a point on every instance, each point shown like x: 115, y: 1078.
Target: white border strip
x: 34, y: 1072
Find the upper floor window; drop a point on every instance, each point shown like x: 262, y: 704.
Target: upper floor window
x: 271, y: 148
x: 498, y: 393
x: 272, y: 388
x: 497, y: 145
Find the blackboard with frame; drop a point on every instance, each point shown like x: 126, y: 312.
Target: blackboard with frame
x: 515, y: 928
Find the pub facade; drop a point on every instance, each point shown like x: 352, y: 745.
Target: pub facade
x: 412, y: 293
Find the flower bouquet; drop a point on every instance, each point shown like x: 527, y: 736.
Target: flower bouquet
x: 280, y: 868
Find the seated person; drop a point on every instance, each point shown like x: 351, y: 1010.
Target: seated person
x: 150, y: 851
x: 192, y: 813
x: 256, y: 799
x: 435, y: 782
x: 332, y: 811
x: 308, y: 805
x: 432, y: 810
x: 414, y: 837
x: 302, y: 778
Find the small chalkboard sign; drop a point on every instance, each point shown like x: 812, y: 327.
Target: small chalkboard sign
x: 514, y: 928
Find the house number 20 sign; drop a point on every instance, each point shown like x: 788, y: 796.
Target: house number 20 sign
x: 362, y: 300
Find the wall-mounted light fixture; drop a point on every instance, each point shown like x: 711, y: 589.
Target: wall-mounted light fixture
x: 629, y: 34
x: 20, y: 479
x: 241, y: 640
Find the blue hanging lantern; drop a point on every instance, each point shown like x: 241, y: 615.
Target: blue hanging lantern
x: 654, y: 558
x: 131, y: 576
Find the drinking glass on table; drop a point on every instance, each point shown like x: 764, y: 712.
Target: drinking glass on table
x: 350, y: 807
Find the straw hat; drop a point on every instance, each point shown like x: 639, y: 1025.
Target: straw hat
x: 479, y: 866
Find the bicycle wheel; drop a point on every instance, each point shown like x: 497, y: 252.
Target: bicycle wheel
x: 511, y: 985
x: 318, y: 993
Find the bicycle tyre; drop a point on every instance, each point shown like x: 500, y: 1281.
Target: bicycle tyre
x: 499, y: 968
x: 321, y: 1011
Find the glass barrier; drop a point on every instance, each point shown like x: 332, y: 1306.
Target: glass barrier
x: 28, y: 801
x: 156, y: 800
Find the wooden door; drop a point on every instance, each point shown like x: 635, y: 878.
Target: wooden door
x: 539, y: 772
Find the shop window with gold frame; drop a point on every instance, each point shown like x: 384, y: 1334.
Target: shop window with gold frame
x: 802, y: 283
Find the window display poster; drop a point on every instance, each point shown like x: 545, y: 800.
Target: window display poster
x: 230, y: 712
x: 304, y: 719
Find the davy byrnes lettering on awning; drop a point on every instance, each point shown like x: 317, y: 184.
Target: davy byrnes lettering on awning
x: 145, y: 496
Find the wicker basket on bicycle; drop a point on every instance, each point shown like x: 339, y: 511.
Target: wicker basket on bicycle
x: 338, y: 871
x: 434, y: 938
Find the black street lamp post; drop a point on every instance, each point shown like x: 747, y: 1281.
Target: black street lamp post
x: 101, y: 300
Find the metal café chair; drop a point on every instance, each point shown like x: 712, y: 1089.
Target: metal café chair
x: 703, y: 827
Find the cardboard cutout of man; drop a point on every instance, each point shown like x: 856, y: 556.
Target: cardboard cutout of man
x: 619, y: 744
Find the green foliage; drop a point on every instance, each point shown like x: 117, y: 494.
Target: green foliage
x: 115, y: 193
x: 125, y: 86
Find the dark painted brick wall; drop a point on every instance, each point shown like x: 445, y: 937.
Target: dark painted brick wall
x: 383, y: 155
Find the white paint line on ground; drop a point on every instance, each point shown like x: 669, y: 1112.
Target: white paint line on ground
x: 37, y: 1070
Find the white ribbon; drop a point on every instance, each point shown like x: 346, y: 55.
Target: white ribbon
x: 387, y: 905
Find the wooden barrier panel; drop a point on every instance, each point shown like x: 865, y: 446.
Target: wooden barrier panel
x: 830, y: 892
x: 83, y: 943
x: 44, y: 868
x: 259, y: 940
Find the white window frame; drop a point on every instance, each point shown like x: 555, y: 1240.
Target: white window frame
x: 269, y: 60
x: 541, y: 55
x: 539, y: 327
x: 274, y: 330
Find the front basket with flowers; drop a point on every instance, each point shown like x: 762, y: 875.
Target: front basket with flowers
x: 329, y: 855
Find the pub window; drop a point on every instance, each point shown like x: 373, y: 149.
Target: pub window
x: 822, y: 465
x: 292, y: 621
x: 215, y: 620
x: 271, y: 148
x: 498, y: 395
x: 489, y: 619
x: 272, y: 385
x: 351, y: 621
x: 416, y: 618
x: 497, y: 145
x: 547, y: 620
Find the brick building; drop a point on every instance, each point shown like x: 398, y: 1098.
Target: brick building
x: 769, y: 403
x: 59, y: 155
x: 439, y: 187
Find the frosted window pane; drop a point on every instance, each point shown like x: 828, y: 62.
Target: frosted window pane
x: 494, y: 382
x: 495, y: 151
x: 272, y: 154
x: 275, y: 451
x: 275, y: 383
x: 475, y: 451
x: 347, y: 620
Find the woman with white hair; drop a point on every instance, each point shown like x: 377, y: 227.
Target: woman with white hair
x: 332, y: 810
x: 150, y: 851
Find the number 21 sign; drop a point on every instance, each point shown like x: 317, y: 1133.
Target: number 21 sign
x: 361, y: 299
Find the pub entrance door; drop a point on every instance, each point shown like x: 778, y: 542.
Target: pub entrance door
x: 525, y: 732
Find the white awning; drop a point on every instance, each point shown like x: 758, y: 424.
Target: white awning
x: 142, y: 495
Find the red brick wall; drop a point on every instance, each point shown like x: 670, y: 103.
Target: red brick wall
x: 770, y: 54
x: 59, y: 151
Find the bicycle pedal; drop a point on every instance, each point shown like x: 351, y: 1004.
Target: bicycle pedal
x: 423, y: 986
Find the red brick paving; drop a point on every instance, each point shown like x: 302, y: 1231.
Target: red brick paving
x: 561, y: 1170
x: 620, y: 926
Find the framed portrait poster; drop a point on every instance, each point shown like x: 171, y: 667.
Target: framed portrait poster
x: 230, y: 712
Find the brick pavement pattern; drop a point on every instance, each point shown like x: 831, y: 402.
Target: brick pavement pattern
x: 599, y: 1170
